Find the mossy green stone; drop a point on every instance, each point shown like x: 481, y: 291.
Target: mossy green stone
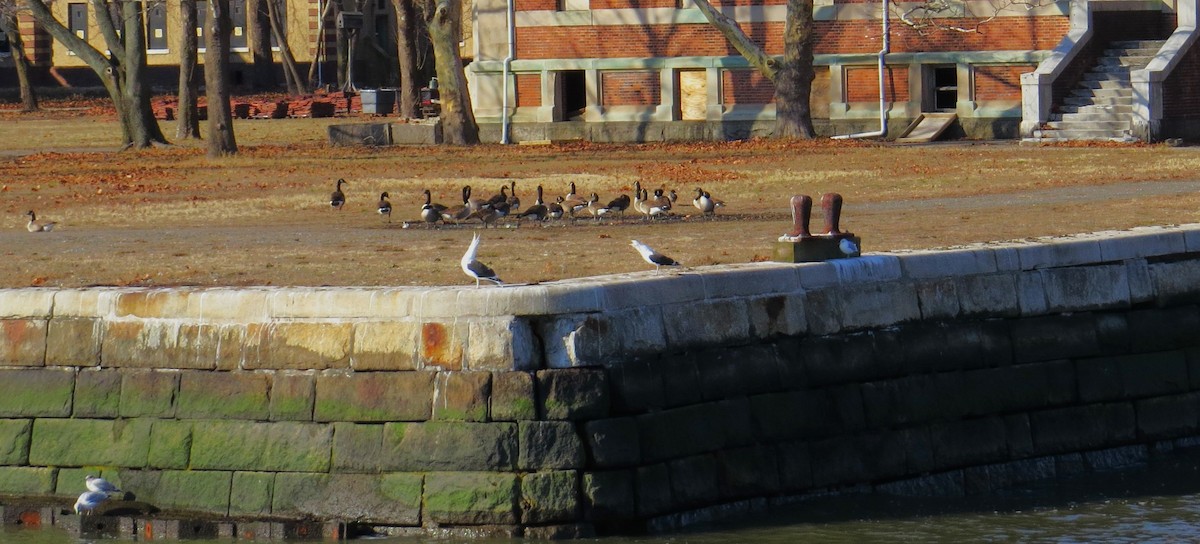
x: 393, y: 499
x: 375, y: 397
x: 276, y: 446
x: 549, y: 497
x: 449, y: 446
x: 512, y: 397
x: 198, y: 490
x: 357, y: 447
x: 251, y: 494
x: 97, y: 393
x: 36, y: 392
x: 170, y: 444
x: 90, y: 442
x: 403, y: 487
x: 224, y: 395
x: 14, y: 441
x: 471, y: 498
x: 149, y: 393
x: 292, y: 397
x: 26, y: 480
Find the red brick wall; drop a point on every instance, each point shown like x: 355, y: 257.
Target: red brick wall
x: 630, y: 89
x: 834, y: 37
x: 1000, y: 82
x: 1181, y: 90
x: 862, y: 84
x: 747, y: 86
x: 529, y: 90
x: 636, y: 4
x: 535, y: 5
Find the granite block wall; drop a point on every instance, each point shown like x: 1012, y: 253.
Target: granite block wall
x: 611, y: 404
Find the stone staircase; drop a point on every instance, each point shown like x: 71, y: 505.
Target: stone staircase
x: 1101, y: 106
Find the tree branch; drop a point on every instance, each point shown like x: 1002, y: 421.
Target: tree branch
x: 752, y: 52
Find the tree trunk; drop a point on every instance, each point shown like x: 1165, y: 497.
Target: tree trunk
x: 260, y: 45
x: 221, y: 141
x: 8, y: 23
x: 120, y: 71
x: 291, y: 72
x: 408, y: 98
x: 793, y: 85
x: 188, y: 115
x: 458, y: 121
x: 343, y: 37
x: 792, y: 77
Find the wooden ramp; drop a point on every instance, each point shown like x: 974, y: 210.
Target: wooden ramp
x: 926, y: 128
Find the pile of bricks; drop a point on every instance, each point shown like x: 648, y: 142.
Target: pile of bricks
x: 318, y: 105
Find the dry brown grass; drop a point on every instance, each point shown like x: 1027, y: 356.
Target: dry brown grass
x: 172, y: 216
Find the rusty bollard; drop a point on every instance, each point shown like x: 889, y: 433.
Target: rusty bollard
x: 831, y: 204
x: 799, y: 245
x: 801, y: 214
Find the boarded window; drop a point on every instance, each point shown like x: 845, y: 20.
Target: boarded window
x: 237, y: 15
x: 77, y: 20
x: 156, y: 25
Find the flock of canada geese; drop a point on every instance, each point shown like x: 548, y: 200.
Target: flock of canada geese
x: 573, y: 205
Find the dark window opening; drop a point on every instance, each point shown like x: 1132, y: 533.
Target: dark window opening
x: 942, y: 94
x: 5, y: 47
x: 201, y: 21
x: 574, y: 94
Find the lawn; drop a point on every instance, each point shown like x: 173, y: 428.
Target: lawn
x: 171, y: 216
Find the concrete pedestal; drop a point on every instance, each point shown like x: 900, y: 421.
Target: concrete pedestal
x: 814, y: 249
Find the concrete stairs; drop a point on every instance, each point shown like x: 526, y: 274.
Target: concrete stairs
x: 1101, y: 106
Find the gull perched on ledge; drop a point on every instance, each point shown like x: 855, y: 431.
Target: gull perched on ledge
x: 653, y: 257
x: 100, y: 485
x: 472, y: 267
x: 88, y: 501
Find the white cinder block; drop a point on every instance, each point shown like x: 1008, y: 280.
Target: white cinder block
x: 706, y: 323
x: 989, y: 295
x: 750, y: 280
x: 1140, y: 243
x: 938, y: 298
x: 1141, y: 287
x: 871, y: 268
x: 229, y: 304
x: 649, y: 288
x: 878, y: 305
x: 26, y: 303
x: 1031, y: 294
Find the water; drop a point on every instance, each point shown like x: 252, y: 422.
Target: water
x: 1157, y: 503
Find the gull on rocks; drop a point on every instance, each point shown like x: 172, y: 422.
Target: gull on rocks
x: 88, y: 501
x: 653, y: 257
x: 472, y: 267
x: 100, y: 485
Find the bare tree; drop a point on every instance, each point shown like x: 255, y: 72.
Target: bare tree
x: 122, y: 70
x: 8, y: 25
x: 792, y: 76
x: 319, y: 51
x: 949, y: 15
x: 188, y: 115
x: 260, y: 44
x: 291, y: 72
x: 221, y: 141
x: 444, y: 20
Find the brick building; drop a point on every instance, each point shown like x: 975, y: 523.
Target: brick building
x: 655, y: 69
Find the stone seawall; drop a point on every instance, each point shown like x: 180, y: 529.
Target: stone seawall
x: 613, y: 403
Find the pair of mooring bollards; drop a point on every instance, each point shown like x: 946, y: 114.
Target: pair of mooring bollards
x: 800, y: 246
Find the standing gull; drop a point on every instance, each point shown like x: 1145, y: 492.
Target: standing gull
x: 472, y: 267
x: 848, y: 247
x: 88, y: 501
x: 100, y: 485
x: 653, y: 257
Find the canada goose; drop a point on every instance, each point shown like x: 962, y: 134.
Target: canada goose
x: 538, y: 210
x: 88, y: 501
x: 653, y: 257
x: 472, y: 267
x: 571, y: 195
x: 490, y: 214
x: 38, y: 226
x: 703, y: 203
x: 467, y: 207
x: 673, y: 196
x: 593, y: 205
x: 430, y: 212
x: 338, y: 198
x: 659, y: 205
x: 617, y: 205
x: 498, y: 198
x: 475, y: 204
x: 385, y: 207
x: 554, y: 210
x: 100, y: 485
x: 639, y: 200
x: 514, y: 201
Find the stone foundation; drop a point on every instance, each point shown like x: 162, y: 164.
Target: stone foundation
x: 609, y: 404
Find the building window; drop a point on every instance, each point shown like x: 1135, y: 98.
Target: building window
x: 201, y: 20
x: 941, y: 88
x: 5, y: 47
x: 77, y: 20
x: 237, y: 15
x: 156, y: 25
